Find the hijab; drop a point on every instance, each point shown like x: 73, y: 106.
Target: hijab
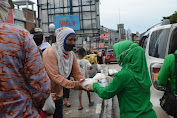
x: 4, y: 10
x: 44, y: 45
x: 64, y: 64
x: 132, y: 58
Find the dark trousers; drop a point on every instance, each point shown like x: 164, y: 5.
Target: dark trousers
x: 59, y: 109
x: 66, y: 91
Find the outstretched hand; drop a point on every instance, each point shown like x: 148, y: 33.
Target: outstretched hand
x: 81, y: 86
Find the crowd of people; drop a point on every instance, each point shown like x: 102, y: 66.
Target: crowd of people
x: 31, y: 70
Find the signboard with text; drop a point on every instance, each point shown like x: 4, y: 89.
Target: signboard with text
x: 100, y: 45
x: 104, y: 36
x: 71, y: 21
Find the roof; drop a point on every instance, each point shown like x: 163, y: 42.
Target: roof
x: 23, y: 2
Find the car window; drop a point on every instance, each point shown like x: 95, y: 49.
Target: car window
x: 145, y: 43
x: 110, y: 52
x: 161, y: 44
x: 158, y: 43
x: 173, y: 42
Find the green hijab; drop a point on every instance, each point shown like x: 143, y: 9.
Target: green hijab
x: 132, y: 58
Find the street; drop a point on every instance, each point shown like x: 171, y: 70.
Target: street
x: 105, y: 108
x: 95, y: 111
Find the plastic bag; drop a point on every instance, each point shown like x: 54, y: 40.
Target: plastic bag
x: 87, y: 82
x: 112, y: 71
x: 49, y: 105
x: 100, y: 78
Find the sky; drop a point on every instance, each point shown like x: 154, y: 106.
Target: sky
x: 136, y: 15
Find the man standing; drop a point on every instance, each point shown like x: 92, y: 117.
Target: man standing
x: 24, y: 83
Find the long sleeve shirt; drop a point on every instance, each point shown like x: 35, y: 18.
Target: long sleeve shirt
x: 58, y: 81
x: 134, y: 102
x: 24, y: 83
x: 167, y: 73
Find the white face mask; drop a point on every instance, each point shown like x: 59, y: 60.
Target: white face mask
x: 3, y: 13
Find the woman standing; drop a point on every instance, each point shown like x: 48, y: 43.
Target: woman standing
x: 131, y: 84
x: 61, y: 63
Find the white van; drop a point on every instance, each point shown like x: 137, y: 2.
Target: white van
x: 158, y: 42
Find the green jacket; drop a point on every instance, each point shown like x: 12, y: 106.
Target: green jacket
x: 130, y: 96
x: 131, y: 84
x: 167, y: 73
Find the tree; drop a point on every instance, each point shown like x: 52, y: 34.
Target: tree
x: 172, y: 18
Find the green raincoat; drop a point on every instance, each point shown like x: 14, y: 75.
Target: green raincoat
x: 131, y: 84
x: 167, y: 73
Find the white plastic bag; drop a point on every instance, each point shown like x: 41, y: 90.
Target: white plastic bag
x: 112, y: 71
x: 100, y: 78
x: 87, y: 82
x: 49, y: 105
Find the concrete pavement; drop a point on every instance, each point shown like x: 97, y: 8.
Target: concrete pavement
x: 88, y: 111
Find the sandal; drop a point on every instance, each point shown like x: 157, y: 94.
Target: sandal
x: 80, y: 108
x: 92, y: 103
x: 68, y: 104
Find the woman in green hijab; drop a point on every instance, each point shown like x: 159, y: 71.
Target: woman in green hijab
x: 131, y: 84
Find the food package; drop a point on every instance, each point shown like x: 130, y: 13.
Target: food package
x: 112, y: 71
x: 100, y: 78
x: 87, y: 82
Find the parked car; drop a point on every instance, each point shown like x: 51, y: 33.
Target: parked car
x: 158, y: 43
x: 110, y: 56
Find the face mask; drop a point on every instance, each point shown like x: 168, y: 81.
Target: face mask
x: 38, y: 40
x: 120, y: 61
x: 68, y: 47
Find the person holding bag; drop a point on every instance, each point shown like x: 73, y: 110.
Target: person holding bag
x: 61, y: 63
x: 167, y: 77
x: 131, y: 84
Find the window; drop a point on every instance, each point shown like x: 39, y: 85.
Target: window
x: 173, y: 42
x: 145, y: 43
x: 161, y: 44
x: 158, y: 43
x: 110, y: 52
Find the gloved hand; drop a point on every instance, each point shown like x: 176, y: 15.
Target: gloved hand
x: 109, y: 79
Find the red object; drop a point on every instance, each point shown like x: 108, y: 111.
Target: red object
x: 156, y: 70
x: 10, y: 18
x: 43, y: 115
x: 110, y: 57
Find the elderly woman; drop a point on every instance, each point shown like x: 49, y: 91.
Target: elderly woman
x: 131, y: 84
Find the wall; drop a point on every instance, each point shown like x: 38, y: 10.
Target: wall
x: 30, y: 16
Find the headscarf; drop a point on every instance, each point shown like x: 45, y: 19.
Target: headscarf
x: 44, y: 45
x: 64, y: 65
x: 132, y: 57
x: 4, y: 10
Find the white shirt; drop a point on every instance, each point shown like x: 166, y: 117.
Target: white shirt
x: 84, y: 65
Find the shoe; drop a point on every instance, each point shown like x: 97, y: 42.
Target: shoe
x: 92, y: 103
x: 80, y: 108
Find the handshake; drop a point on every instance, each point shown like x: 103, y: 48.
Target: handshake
x: 99, y: 78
